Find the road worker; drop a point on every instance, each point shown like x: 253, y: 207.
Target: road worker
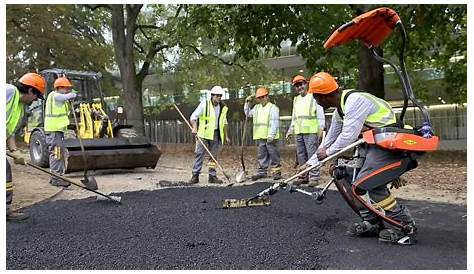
x: 357, y: 111
x: 30, y: 87
x: 55, y: 124
x: 266, y: 131
x: 209, y: 122
x: 307, y: 124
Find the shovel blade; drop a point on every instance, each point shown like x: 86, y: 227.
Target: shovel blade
x: 241, y: 176
x: 240, y: 203
x: 90, y: 183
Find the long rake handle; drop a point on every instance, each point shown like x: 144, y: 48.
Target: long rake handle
x: 202, y: 143
x: 84, y: 157
x: 285, y: 182
x: 64, y: 178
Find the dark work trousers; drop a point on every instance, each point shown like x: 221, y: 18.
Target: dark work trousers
x: 199, y: 153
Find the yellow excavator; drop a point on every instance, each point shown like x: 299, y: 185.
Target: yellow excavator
x: 107, y: 141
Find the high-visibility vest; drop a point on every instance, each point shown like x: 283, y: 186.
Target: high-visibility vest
x: 207, y: 122
x: 261, y: 122
x: 304, y: 111
x: 56, y: 117
x: 384, y: 115
x: 15, y: 110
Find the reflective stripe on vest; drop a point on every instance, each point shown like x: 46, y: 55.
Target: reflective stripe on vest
x: 384, y: 115
x: 15, y: 110
x: 304, y: 111
x: 261, y: 122
x: 207, y: 122
x: 56, y: 117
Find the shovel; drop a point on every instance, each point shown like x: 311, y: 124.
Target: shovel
x: 242, y: 175
x: 89, y: 182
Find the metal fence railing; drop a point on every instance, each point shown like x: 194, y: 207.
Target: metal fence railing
x: 449, y: 123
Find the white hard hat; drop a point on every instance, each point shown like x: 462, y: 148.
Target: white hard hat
x: 217, y: 90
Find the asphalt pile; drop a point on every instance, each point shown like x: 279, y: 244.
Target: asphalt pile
x: 186, y: 228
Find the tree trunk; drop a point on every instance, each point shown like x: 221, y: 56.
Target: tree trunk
x: 123, y: 35
x: 371, y: 72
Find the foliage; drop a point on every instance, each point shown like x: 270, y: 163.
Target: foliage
x: 63, y: 36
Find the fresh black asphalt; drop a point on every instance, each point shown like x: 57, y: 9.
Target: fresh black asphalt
x: 185, y: 228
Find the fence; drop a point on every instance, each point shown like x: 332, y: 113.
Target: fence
x: 449, y: 123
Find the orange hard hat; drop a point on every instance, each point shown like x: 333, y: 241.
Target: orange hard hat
x: 62, y: 82
x: 298, y: 78
x: 261, y: 92
x: 34, y: 80
x: 322, y: 83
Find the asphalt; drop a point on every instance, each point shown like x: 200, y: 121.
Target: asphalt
x: 186, y: 228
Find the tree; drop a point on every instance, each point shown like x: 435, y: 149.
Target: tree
x: 61, y: 38
x: 437, y: 33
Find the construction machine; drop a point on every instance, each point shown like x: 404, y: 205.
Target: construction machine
x: 107, y: 141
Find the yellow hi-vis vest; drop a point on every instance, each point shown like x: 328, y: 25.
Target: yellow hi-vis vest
x: 56, y: 117
x: 261, y: 122
x: 384, y: 115
x: 304, y: 111
x: 207, y: 122
x: 15, y: 110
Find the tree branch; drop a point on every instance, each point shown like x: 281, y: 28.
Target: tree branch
x: 95, y: 7
x: 199, y: 52
x: 154, y: 48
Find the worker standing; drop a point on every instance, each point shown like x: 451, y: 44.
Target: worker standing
x: 266, y: 131
x: 55, y: 124
x: 212, y: 129
x: 29, y: 88
x: 355, y: 112
x: 307, y: 123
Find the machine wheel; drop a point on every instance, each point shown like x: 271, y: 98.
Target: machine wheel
x: 39, y: 153
x: 127, y: 133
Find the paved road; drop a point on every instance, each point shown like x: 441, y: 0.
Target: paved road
x: 186, y: 229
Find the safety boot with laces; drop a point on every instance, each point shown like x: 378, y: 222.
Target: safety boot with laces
x: 365, y: 229
x: 300, y: 181
x: 194, y: 180
x: 16, y: 216
x: 214, y: 180
x: 406, y: 236
x: 277, y: 176
x: 258, y: 176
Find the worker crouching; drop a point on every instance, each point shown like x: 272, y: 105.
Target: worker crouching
x: 372, y: 168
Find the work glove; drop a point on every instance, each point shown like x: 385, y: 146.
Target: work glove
x: 288, y: 136
x: 18, y: 158
x: 270, y: 140
x: 227, y: 140
x: 397, y: 183
x: 321, y: 153
x: 249, y: 98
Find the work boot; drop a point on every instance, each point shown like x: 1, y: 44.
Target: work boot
x: 194, y: 180
x: 59, y: 182
x: 277, y: 176
x: 300, y: 181
x: 258, y: 176
x: 214, y: 180
x: 365, y: 229
x: 16, y: 216
x: 407, y: 236
x: 313, y: 182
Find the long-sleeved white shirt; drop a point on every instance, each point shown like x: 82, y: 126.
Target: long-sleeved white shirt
x: 319, y: 115
x: 274, y: 118
x: 345, y: 132
x: 200, y: 110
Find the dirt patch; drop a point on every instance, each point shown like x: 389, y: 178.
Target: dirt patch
x: 440, y: 177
